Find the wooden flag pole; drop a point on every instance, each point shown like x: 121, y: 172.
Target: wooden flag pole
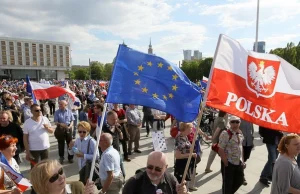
x: 193, y: 144
x: 201, y: 111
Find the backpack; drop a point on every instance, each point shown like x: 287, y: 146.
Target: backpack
x: 215, y: 147
x: 140, y: 173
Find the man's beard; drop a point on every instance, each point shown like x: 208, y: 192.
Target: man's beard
x: 153, y: 177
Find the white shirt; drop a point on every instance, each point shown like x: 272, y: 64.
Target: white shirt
x: 38, y: 137
x: 110, y: 161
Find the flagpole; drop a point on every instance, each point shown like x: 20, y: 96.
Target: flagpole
x: 201, y: 111
x: 257, y: 20
x: 97, y: 142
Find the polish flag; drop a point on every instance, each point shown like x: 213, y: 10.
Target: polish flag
x: 21, y: 182
x: 46, y: 91
x: 261, y: 88
x: 204, y: 79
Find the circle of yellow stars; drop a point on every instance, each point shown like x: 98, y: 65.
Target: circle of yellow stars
x: 146, y: 90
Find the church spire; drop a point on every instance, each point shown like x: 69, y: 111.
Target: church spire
x: 150, y: 50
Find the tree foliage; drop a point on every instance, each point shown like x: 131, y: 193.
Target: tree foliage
x: 290, y: 53
x: 196, y: 69
x: 96, y: 71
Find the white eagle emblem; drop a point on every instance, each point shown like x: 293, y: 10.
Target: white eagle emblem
x: 262, y: 77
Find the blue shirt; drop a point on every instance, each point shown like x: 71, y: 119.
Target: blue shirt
x: 63, y: 97
x: 82, y: 146
x: 110, y: 161
x: 63, y: 116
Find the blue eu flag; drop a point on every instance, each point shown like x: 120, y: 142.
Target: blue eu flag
x: 149, y: 80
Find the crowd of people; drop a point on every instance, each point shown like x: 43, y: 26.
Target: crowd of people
x: 25, y: 126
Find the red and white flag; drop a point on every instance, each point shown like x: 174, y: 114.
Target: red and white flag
x: 261, y: 88
x: 46, y: 91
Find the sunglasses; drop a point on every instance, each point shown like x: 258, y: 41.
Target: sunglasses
x: 82, y: 132
x: 55, y: 176
x: 157, y: 169
x: 237, y: 122
x: 37, y: 110
x: 7, y: 137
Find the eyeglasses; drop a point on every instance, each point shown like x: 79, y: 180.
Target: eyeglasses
x: 157, y: 169
x: 82, y: 132
x: 55, y: 176
x: 237, y: 122
x: 7, y: 137
x: 37, y: 110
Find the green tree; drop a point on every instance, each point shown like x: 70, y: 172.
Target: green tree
x: 205, y: 66
x: 97, y: 70
x: 108, y: 68
x: 191, y: 69
x: 81, y: 74
x: 289, y: 53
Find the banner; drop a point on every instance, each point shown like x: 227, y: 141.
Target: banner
x: 261, y: 88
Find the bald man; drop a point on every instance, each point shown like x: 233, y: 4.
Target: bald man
x: 155, y: 179
x: 63, y: 119
x: 109, y: 166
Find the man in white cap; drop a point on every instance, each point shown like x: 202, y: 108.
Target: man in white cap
x: 231, y: 153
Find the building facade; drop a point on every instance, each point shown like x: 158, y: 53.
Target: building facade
x: 261, y: 47
x: 187, y: 55
x: 38, y: 59
x: 197, y: 55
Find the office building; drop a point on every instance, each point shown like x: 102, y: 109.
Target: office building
x: 36, y: 58
x: 197, y: 55
x: 261, y: 47
x: 187, y: 55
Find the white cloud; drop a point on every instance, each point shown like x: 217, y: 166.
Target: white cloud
x: 78, y: 22
x: 235, y: 15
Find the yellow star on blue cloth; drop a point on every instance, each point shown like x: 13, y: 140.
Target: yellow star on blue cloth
x: 140, y: 68
x: 174, y: 87
x: 160, y: 65
x: 149, y: 63
x: 175, y: 76
x: 165, y: 97
x: 137, y: 82
x: 155, y: 95
x: 144, y: 90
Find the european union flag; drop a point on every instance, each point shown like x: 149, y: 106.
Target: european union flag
x: 149, y: 80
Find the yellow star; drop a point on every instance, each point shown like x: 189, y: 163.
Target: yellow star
x: 160, y: 64
x: 175, y: 76
x: 145, y: 90
x: 174, y: 87
x: 170, y: 68
x: 137, y: 82
x: 165, y: 97
x: 171, y: 95
x: 141, y: 68
x: 149, y: 63
x: 155, y: 95
x: 262, y: 62
x: 136, y: 73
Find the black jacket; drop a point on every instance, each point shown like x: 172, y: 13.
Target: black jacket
x: 270, y: 136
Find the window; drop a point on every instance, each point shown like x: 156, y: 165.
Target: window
x: 54, y: 56
x: 48, y: 55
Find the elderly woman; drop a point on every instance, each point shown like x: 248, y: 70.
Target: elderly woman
x: 8, y: 149
x: 286, y: 173
x: 83, y: 115
x: 83, y: 148
x: 47, y: 177
x: 182, y: 151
